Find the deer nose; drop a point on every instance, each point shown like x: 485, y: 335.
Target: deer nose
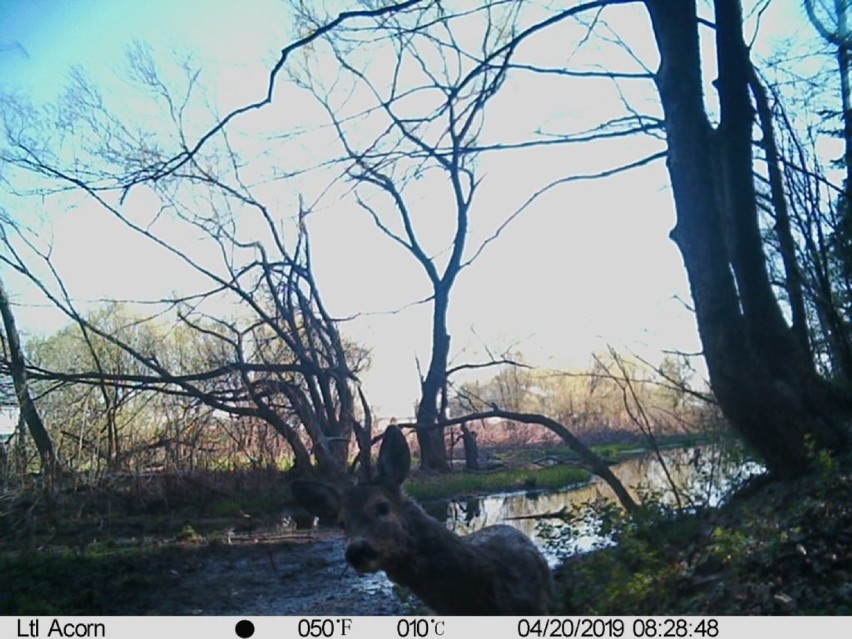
x: 362, y: 556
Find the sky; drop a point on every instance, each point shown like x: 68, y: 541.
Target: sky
x: 590, y: 265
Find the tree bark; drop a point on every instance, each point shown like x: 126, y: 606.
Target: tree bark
x: 430, y: 437
x: 764, y: 382
x: 30, y: 414
x: 471, y: 448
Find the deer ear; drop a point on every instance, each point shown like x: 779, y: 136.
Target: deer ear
x: 318, y: 498
x: 394, y: 457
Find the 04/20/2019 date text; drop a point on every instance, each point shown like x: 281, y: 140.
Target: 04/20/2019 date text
x: 618, y: 627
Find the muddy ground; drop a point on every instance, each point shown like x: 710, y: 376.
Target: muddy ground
x: 290, y: 573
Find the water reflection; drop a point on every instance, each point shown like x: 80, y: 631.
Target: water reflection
x: 702, y: 475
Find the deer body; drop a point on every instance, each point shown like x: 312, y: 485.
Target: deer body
x: 494, y: 571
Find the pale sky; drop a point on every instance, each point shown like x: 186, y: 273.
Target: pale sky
x: 590, y: 264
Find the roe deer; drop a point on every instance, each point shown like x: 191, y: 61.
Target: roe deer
x: 494, y: 571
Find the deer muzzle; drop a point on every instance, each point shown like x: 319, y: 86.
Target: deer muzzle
x: 362, y: 556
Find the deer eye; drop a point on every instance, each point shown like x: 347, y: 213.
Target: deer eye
x: 382, y: 509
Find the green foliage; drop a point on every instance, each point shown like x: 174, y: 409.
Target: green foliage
x: 142, y: 424
x: 225, y: 508
x: 776, y: 548
x: 92, y: 424
x: 188, y: 533
x: 636, y: 566
x: 822, y: 461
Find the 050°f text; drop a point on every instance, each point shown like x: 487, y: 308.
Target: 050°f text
x: 323, y: 627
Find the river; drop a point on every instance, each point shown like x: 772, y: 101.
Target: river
x: 702, y: 475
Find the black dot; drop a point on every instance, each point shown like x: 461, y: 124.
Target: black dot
x: 244, y: 629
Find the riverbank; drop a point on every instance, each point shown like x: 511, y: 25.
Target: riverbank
x: 540, y: 467
x: 777, y: 548
x: 220, y: 545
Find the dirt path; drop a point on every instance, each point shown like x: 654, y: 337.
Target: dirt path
x: 295, y: 574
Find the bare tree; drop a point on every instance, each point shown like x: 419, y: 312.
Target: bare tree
x: 425, y: 118
x: 280, y: 358
x: 430, y: 139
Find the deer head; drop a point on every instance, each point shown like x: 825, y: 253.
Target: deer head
x: 370, y: 511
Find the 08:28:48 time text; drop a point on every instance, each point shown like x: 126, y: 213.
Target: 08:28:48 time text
x: 594, y: 628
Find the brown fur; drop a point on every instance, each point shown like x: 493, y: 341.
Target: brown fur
x: 494, y: 571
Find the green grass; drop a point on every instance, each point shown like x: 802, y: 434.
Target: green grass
x: 457, y: 484
x: 614, y: 451
x: 67, y: 583
x: 626, y: 449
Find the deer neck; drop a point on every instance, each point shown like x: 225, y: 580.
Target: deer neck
x: 439, y: 566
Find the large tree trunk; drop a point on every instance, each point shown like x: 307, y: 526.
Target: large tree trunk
x: 764, y: 382
x: 430, y: 436
x: 19, y: 378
